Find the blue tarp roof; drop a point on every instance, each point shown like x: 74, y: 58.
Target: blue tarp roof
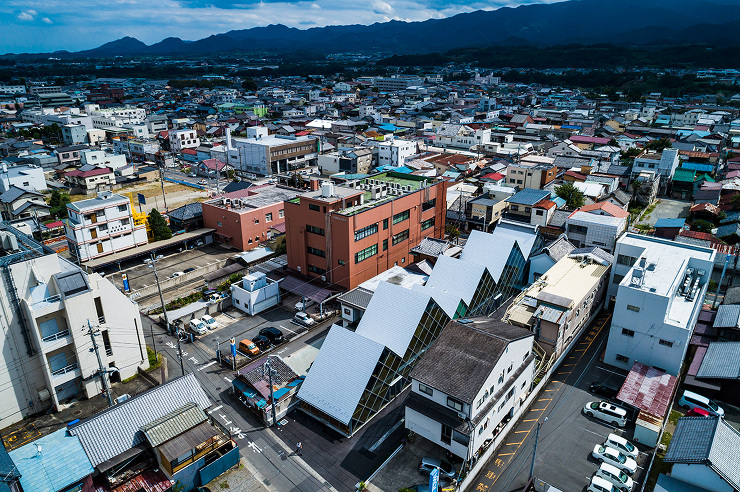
x: 698, y: 166
x: 61, y: 463
x: 670, y: 222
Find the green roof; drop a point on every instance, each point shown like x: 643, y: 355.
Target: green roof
x: 685, y: 175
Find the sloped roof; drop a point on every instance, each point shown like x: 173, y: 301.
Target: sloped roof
x: 173, y: 424
x: 528, y: 196
x: 117, y: 429
x: 407, y: 307
x: 431, y: 246
x: 456, y: 277
x: 559, y: 248
x: 339, y: 374
x: 187, y: 212
x: 492, y: 250
x: 710, y: 441
x: 357, y: 297
x: 727, y: 316
x: 608, y: 208
x: 648, y: 389
x: 722, y: 361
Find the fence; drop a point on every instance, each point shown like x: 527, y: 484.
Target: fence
x: 491, y: 451
x: 185, y: 183
x: 169, y: 283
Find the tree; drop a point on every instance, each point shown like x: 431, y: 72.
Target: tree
x: 613, y: 142
x: 249, y: 85
x: 659, y: 144
x: 159, y: 227
x: 702, y: 225
x: 573, y: 197
x: 735, y: 202
x: 58, y: 204
x: 632, y: 152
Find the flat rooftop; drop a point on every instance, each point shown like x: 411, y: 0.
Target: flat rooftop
x: 272, y: 140
x: 250, y: 199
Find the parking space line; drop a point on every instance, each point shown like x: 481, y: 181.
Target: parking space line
x: 513, y: 443
x: 519, y: 432
x: 530, y: 420
x: 607, y: 370
x: 537, y: 409
x: 545, y: 399
x: 505, y: 454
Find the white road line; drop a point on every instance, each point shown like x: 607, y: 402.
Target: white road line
x: 207, y: 365
x: 228, y: 379
x: 592, y: 432
x: 215, y: 409
x: 607, y: 370
x: 284, y: 328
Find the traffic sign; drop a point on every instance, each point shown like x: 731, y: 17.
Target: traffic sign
x: 434, y: 480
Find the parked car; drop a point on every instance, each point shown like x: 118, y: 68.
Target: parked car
x: 273, y: 334
x: 691, y: 400
x: 247, y: 346
x: 698, y: 412
x: 598, y: 484
x: 446, y: 469
x: 262, y: 342
x: 177, y: 274
x: 609, y: 455
x: 617, y: 477
x: 198, y: 326
x: 193, y: 175
x: 214, y: 298
x: 203, y: 182
x: 301, y: 306
x: 622, y: 445
x: 188, y: 270
x: 211, y: 323
x: 604, y: 389
x: 303, y: 319
x: 603, y: 410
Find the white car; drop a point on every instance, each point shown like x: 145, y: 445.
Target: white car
x: 604, y: 454
x: 603, y: 410
x: 301, y: 306
x: 617, y: 477
x: 598, y: 484
x: 198, y: 326
x: 210, y: 323
x: 177, y: 274
x: 304, y: 319
x: 622, y: 445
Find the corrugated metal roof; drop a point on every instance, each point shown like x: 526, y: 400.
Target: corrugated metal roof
x: 528, y: 196
x: 708, y: 440
x: 173, y: 424
x: 357, y: 297
x: 188, y: 440
x: 117, y: 429
x: 456, y: 277
x: 338, y: 376
x: 492, y: 250
x: 722, y: 361
x: 727, y: 316
x: 648, y: 389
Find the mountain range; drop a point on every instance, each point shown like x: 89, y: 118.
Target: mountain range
x: 621, y: 22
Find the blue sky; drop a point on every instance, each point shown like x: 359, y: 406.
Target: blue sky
x: 49, y: 25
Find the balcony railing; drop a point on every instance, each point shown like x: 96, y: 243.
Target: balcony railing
x: 48, y: 300
x: 56, y: 336
x: 101, y: 319
x: 108, y: 351
x: 65, y: 370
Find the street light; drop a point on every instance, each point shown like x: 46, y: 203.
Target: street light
x: 534, y: 451
x: 152, y: 263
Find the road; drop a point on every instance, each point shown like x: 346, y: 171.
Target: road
x: 270, y: 459
x: 567, y: 438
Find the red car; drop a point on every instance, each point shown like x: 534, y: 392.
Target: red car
x: 698, y: 412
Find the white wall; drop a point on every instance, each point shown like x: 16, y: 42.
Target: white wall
x: 701, y: 476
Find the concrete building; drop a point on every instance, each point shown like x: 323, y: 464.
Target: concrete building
x: 586, y: 229
x: 393, y: 152
x: 47, y: 357
x: 265, y: 154
x: 27, y: 177
x: 349, y: 234
x: 103, y: 225
x: 658, y: 287
x: 557, y: 305
x: 351, y: 161
x: 74, y: 134
x: 392, y: 84
x: 136, y: 149
x: 70, y: 156
x: 534, y: 175
x: 183, y: 139
x: 471, y: 378
x: 254, y: 293
x: 102, y: 158
x: 245, y: 218
x: 663, y: 163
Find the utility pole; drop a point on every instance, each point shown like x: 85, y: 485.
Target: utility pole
x: 161, y: 182
x: 102, y: 371
x: 152, y: 262
x: 268, y: 366
x: 534, y: 451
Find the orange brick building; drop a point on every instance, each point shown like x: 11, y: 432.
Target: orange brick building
x: 349, y: 234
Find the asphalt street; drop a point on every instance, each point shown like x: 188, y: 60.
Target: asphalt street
x: 270, y: 458
x: 567, y: 438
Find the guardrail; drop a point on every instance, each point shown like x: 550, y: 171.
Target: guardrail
x: 65, y: 370
x: 185, y: 183
x: 56, y: 336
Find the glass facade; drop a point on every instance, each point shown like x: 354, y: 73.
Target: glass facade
x: 391, y: 374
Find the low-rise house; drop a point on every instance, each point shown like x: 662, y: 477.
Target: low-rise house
x: 663, y: 163
x: 189, y: 217
x: 254, y: 293
x: 89, y: 179
x: 20, y: 203
x: 27, y: 177
x: 544, y: 259
x: 357, y: 160
x: 251, y: 385
x: 468, y: 382
x: 535, y: 175
x: 484, y: 211
x: 522, y: 203
x: 599, y: 224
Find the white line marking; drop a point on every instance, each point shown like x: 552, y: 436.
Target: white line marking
x: 284, y: 328
x: 215, y: 409
x: 207, y: 365
x: 227, y: 379
x: 607, y: 370
x: 592, y: 432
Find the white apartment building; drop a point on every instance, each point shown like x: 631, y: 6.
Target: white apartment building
x: 462, y: 137
x: 586, y: 229
x: 135, y: 148
x: 265, y: 154
x: 472, y: 377
x: 183, y: 139
x: 100, y: 158
x: 255, y: 293
x: 102, y: 225
x: 49, y: 116
x: 658, y: 287
x: 28, y: 177
x: 663, y: 163
x: 47, y: 356
x: 393, y: 152
x: 12, y: 89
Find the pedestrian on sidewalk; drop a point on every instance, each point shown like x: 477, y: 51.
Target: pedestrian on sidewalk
x: 299, y: 448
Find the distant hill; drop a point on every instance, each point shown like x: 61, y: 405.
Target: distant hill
x: 618, y: 22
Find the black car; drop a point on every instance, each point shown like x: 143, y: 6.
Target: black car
x: 263, y: 343
x: 273, y: 334
x: 188, y: 270
x: 604, y: 389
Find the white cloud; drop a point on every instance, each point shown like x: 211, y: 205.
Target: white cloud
x: 381, y: 7
x: 25, y: 16
x: 46, y: 20
x: 32, y: 12
x: 316, y: 6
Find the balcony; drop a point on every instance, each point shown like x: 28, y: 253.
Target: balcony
x: 56, y: 336
x: 65, y: 370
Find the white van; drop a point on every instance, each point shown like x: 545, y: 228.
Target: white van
x: 617, y: 477
x: 198, y: 326
x: 691, y: 400
x: 598, y: 484
x: 622, y: 445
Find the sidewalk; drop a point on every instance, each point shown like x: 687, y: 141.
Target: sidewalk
x: 239, y: 479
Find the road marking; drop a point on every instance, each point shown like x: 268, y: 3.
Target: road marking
x: 530, y: 420
x: 545, y: 399
x: 215, y: 409
x: 607, y: 370
x: 506, y: 454
x: 513, y: 443
x: 552, y: 389
x: 254, y: 447
x: 284, y: 328
x: 587, y: 430
x: 207, y: 365
x: 228, y: 379
x: 519, y: 432
x: 537, y: 409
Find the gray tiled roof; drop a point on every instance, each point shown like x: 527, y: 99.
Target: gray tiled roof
x: 558, y: 218
x: 722, y: 361
x: 117, y: 429
x: 596, y: 251
x: 560, y: 248
x: 431, y: 246
x: 727, y: 316
x: 357, y: 297
x: 186, y: 212
x: 710, y: 441
x: 14, y: 192
x: 528, y: 196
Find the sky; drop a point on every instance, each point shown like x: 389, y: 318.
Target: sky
x: 33, y: 26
